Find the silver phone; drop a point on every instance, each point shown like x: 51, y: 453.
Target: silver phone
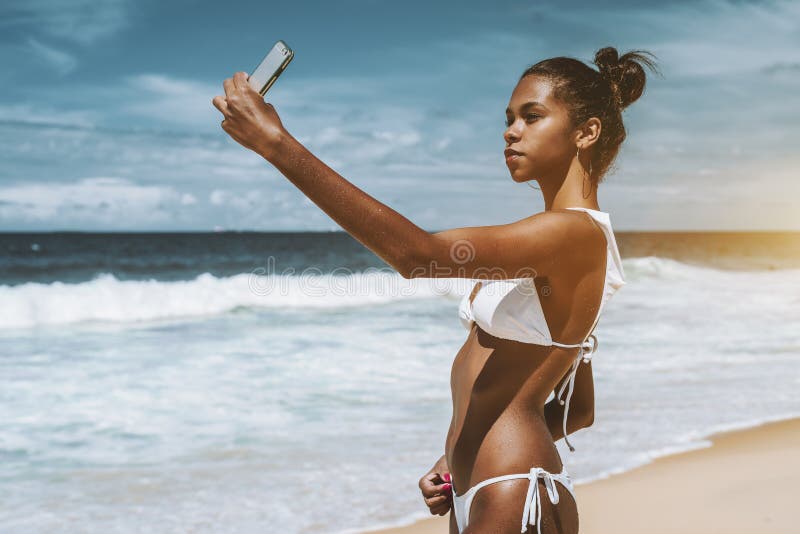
x: 270, y: 67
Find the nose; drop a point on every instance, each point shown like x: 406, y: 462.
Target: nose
x: 511, y: 134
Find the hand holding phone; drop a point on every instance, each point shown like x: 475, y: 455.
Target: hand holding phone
x: 270, y: 67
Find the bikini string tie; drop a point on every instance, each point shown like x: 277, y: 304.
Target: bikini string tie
x: 584, y: 353
x: 533, y: 511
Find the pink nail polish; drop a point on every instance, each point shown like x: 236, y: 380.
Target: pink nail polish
x: 446, y: 476
x: 447, y: 487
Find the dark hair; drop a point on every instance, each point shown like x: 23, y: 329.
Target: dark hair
x: 603, y: 94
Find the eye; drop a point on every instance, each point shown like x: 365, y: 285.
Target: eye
x: 529, y: 116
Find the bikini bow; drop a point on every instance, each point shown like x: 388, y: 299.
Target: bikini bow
x: 533, y: 514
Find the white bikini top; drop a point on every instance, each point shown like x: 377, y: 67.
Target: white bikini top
x: 510, y: 309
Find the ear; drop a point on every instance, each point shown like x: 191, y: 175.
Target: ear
x: 587, y: 133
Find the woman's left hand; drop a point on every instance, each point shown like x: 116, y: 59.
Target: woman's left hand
x: 249, y: 120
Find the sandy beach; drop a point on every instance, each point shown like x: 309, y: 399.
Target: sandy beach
x: 747, y: 481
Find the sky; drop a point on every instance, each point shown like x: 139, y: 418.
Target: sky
x: 106, y: 120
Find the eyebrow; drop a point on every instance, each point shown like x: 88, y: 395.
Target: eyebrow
x: 527, y: 105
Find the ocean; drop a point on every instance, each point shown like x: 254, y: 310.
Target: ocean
x: 264, y: 382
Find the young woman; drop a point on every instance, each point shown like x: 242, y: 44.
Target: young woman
x: 543, y: 283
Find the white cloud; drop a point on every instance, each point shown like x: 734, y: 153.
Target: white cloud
x: 329, y: 135
x: 240, y: 202
x: 37, y: 114
x: 443, y: 143
x: 103, y: 200
x: 398, y: 138
x: 703, y: 39
x: 61, y: 61
x: 217, y: 197
x: 84, y: 21
x: 164, y: 85
x: 168, y: 99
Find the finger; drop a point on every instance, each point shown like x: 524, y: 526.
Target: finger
x: 433, y: 491
x: 427, y: 480
x: 240, y: 80
x: 220, y: 103
x: 444, y: 491
x: 229, y: 86
x: 433, y: 478
x: 438, y: 511
x: 436, y: 501
x: 430, y: 490
x: 441, y: 509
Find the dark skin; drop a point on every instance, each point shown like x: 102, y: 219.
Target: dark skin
x: 501, y: 423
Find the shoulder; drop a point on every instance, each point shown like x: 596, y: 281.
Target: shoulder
x: 564, y: 225
x: 573, y: 234
x: 547, y: 242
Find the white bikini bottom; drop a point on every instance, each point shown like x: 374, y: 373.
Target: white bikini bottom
x: 533, y: 507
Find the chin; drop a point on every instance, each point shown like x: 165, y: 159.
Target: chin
x: 519, y: 177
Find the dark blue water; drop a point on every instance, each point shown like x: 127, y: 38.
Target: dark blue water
x: 73, y: 257
x: 79, y: 257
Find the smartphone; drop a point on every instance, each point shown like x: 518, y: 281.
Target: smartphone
x: 270, y: 67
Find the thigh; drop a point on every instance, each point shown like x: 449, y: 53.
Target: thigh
x: 497, y: 508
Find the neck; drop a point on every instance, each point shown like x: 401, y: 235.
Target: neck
x: 572, y: 191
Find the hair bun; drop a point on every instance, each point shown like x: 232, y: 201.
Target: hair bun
x: 625, y: 74
x: 607, y: 60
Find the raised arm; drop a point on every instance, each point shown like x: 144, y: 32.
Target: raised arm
x: 521, y: 249
x: 384, y: 231
x: 525, y: 248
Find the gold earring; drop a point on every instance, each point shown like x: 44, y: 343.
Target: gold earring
x: 578, y: 155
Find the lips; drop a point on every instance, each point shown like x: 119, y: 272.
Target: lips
x: 511, y: 155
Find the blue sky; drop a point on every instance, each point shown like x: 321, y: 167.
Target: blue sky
x: 106, y: 121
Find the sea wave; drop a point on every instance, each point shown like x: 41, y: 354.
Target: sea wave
x: 106, y: 298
